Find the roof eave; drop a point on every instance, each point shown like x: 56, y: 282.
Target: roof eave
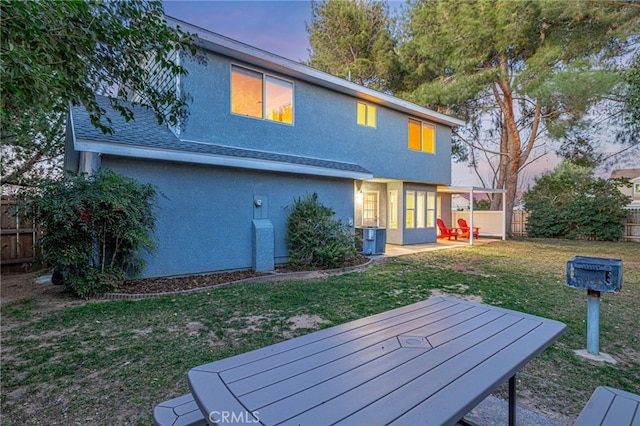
x: 122, y: 150
x: 235, y: 49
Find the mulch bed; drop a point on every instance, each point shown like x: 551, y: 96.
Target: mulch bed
x: 172, y: 284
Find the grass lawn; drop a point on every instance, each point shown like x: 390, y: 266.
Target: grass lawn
x: 111, y: 362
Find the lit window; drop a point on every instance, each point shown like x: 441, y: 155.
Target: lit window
x: 246, y: 92
x: 420, y: 210
x: 410, y: 209
x: 422, y: 136
x: 370, y: 209
x: 393, y: 209
x: 366, y: 115
x: 255, y: 94
x: 431, y: 209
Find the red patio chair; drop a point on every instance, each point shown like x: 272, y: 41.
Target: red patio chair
x: 464, y: 229
x: 446, y: 232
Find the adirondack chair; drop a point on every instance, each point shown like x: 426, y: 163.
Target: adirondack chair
x: 446, y: 232
x: 464, y: 229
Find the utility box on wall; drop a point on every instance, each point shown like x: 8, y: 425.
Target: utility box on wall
x: 373, y: 240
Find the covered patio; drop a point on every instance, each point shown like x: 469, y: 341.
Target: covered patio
x: 492, y: 223
x: 393, y: 250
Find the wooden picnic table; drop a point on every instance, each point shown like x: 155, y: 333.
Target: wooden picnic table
x: 427, y: 363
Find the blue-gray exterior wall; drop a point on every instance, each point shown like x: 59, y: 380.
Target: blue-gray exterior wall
x: 324, y: 126
x: 204, y: 218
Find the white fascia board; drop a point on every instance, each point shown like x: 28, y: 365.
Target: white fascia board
x: 468, y: 189
x: 213, y: 160
x: 252, y: 55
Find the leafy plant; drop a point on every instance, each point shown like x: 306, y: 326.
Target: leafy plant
x: 316, y: 239
x: 571, y: 203
x: 57, y: 53
x: 94, y: 227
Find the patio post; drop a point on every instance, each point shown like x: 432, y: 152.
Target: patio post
x: 471, y: 199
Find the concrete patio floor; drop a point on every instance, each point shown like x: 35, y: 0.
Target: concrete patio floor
x: 392, y: 250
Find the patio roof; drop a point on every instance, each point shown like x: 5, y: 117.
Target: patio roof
x: 471, y: 190
x: 468, y: 189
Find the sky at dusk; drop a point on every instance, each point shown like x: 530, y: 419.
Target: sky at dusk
x: 275, y: 26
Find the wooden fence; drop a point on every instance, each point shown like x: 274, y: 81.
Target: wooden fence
x: 519, y: 223
x: 632, y: 226
x: 17, y: 239
x: 631, y: 230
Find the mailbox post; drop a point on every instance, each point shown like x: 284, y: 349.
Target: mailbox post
x: 595, y: 274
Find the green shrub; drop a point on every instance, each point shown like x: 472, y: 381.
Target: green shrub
x: 316, y: 239
x: 93, y: 227
x: 570, y: 203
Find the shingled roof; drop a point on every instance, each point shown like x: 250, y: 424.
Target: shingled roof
x: 143, y: 137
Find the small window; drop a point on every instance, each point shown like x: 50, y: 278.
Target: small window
x: 431, y: 209
x: 422, y: 136
x: 366, y: 115
x: 370, y: 209
x: 257, y: 95
x: 410, y: 209
x: 393, y: 209
x: 420, y: 210
x: 636, y: 188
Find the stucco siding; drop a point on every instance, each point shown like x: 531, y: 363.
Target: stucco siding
x: 324, y: 126
x: 205, y: 214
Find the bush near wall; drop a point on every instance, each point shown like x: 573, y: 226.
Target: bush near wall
x: 316, y: 239
x: 93, y: 227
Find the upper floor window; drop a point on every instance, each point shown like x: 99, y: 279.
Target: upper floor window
x: 259, y: 95
x: 366, y: 115
x: 422, y: 136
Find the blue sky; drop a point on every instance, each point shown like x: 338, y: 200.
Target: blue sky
x: 277, y: 26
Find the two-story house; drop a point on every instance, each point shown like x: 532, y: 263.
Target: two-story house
x: 260, y: 132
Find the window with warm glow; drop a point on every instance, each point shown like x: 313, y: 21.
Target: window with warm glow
x: 422, y: 136
x: 420, y: 211
x: 366, y: 114
x: 370, y: 208
x: 393, y: 209
x: 410, y: 209
x: 255, y: 94
x: 431, y: 209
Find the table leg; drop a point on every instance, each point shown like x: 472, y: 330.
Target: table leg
x: 512, y: 401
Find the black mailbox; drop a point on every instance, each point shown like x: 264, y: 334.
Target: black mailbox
x: 595, y: 273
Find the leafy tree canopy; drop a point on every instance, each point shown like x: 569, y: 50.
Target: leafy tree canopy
x: 536, y: 67
x: 352, y: 40
x: 54, y: 53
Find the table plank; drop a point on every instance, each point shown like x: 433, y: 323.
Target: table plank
x: 478, y: 371
x: 386, y: 396
x: 289, y: 365
x: 341, y: 343
x: 370, y: 371
x: 432, y: 305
